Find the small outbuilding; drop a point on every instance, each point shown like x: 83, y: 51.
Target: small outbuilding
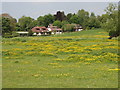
x: 22, y: 33
x: 78, y: 27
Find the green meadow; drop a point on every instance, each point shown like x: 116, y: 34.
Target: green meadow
x: 85, y: 59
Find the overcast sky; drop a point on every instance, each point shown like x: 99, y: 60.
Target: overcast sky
x: 36, y: 9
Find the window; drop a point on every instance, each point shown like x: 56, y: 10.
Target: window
x: 37, y: 29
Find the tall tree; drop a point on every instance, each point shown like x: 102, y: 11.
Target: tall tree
x: 24, y: 23
x: 92, y: 14
x: 60, y: 16
x: 69, y: 15
x: 48, y: 19
x: 45, y: 20
x: 13, y: 21
x: 75, y: 19
x: 93, y: 22
x: 68, y: 27
x: 6, y: 28
x: 83, y: 16
x: 40, y: 20
x: 111, y: 25
x: 64, y: 22
x: 8, y: 23
x: 57, y: 23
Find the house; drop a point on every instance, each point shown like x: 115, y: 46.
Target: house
x: 40, y: 31
x: 54, y: 29
x: 78, y: 27
x: 46, y: 31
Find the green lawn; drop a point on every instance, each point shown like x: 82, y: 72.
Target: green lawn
x: 85, y: 59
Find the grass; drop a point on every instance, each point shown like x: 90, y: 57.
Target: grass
x: 85, y: 59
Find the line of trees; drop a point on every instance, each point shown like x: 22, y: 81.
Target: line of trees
x: 108, y: 21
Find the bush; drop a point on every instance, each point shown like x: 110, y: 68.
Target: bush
x: 57, y: 23
x: 14, y: 34
x: 30, y: 33
x: 68, y: 27
x: 7, y: 35
x: 87, y: 28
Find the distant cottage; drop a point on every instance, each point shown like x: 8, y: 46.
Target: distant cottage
x: 46, y: 31
x: 40, y: 31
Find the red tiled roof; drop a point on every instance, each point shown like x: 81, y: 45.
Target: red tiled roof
x: 39, y: 29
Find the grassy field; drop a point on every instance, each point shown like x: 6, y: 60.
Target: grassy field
x: 85, y: 59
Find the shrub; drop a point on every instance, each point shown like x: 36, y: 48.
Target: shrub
x: 14, y: 34
x: 7, y: 35
x: 30, y: 33
x: 68, y: 27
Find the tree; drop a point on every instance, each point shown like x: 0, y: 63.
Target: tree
x: 45, y: 20
x: 40, y: 21
x: 64, y: 22
x: 83, y: 17
x: 69, y: 15
x: 30, y: 33
x: 92, y: 15
x: 103, y: 18
x: 57, y: 23
x: 33, y: 24
x: 111, y: 8
x: 6, y: 27
x: 93, y: 22
x: 75, y: 19
x: 48, y: 19
x: 24, y: 23
x: 68, y: 27
x: 60, y: 16
x: 111, y: 25
x: 13, y: 21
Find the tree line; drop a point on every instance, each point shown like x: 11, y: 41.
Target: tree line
x: 107, y: 21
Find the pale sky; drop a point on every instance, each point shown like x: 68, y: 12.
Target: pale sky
x: 60, y: 0
x: 36, y: 8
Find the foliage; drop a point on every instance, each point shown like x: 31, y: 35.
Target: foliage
x: 93, y: 22
x: 14, y: 34
x: 83, y: 16
x: 68, y: 27
x: 33, y: 24
x: 60, y: 16
x: 64, y: 22
x: 57, y: 23
x: 75, y: 19
x: 69, y: 15
x: 45, y: 20
x: 111, y: 24
x: 40, y: 20
x: 24, y: 23
x: 30, y: 33
x: 6, y: 28
x: 48, y: 19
